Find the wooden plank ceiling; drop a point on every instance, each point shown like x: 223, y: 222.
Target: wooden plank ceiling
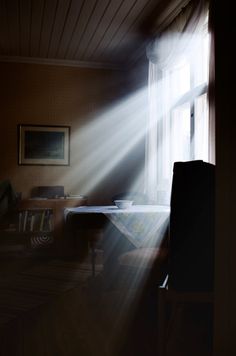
x: 77, y: 32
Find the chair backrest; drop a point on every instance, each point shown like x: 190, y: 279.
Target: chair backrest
x: 191, y: 264
x: 8, y: 198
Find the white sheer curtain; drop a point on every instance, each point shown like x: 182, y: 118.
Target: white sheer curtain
x: 175, y: 96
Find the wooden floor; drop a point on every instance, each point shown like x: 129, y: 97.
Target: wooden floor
x: 55, y: 307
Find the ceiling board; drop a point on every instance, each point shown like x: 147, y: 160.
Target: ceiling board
x: 37, y: 11
x: 103, y: 27
x: 60, y: 18
x: 106, y: 32
x: 12, y: 30
x: 70, y: 25
x: 47, y: 25
x: 95, y: 19
x: 3, y: 28
x: 25, y: 26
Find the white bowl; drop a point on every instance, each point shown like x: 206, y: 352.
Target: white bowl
x: 123, y: 204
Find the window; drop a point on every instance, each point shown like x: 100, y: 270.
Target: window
x: 178, y: 123
x: 186, y: 107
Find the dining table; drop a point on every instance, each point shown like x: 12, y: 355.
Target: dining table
x: 141, y: 225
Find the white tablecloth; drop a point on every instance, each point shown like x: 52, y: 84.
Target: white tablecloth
x: 141, y: 224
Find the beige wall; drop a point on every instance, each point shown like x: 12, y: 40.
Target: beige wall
x: 85, y: 100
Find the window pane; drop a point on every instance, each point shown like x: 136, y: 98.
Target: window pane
x: 180, y: 79
x: 200, y: 60
x: 180, y: 133
x: 201, y: 128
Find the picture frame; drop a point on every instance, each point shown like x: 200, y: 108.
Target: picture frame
x: 43, y: 145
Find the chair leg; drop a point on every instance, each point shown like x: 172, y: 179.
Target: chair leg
x: 93, y: 258
x: 162, y: 321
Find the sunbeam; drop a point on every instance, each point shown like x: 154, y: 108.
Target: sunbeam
x: 110, y: 136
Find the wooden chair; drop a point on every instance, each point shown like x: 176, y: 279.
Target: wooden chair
x: 191, y: 246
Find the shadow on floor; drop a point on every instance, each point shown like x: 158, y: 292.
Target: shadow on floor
x: 57, y: 308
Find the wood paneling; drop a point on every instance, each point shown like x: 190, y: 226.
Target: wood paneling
x: 94, y: 31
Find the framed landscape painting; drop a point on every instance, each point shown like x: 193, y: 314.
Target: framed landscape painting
x: 43, y: 145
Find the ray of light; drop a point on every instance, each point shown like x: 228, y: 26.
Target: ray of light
x: 108, y: 139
